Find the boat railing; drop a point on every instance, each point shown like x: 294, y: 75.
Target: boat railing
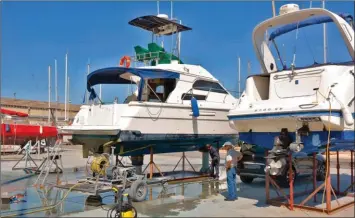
x: 153, y: 58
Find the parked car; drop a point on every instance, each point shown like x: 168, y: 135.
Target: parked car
x: 255, y: 164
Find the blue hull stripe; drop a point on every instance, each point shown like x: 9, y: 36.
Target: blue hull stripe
x: 316, y: 138
x: 286, y: 114
x: 161, y: 143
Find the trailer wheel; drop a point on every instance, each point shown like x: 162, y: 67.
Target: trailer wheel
x: 138, y: 191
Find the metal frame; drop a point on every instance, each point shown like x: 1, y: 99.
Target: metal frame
x: 27, y: 158
x: 280, y: 200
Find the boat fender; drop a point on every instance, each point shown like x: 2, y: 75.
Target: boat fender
x: 348, y: 117
x: 40, y: 130
x: 125, y: 59
x: 194, y: 106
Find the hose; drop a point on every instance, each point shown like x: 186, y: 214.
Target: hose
x: 327, y: 167
x: 46, y: 208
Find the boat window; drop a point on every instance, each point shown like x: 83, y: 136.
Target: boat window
x: 188, y: 96
x: 160, y: 89
x: 209, y: 86
x: 303, y: 47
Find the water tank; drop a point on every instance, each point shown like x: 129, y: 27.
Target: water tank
x: 288, y: 8
x: 163, y: 16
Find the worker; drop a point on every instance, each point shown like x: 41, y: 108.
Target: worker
x: 214, y: 154
x: 232, y: 159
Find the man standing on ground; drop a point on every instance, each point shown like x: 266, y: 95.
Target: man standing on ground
x: 214, y: 154
x: 232, y: 159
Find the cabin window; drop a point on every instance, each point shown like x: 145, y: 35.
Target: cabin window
x: 160, y: 89
x: 188, y: 96
x: 209, y: 86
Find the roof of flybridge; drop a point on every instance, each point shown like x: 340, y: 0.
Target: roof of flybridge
x: 158, y: 25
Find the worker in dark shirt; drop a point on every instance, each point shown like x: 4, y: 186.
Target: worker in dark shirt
x: 214, y: 154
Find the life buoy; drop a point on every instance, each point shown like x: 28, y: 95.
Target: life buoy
x: 125, y: 59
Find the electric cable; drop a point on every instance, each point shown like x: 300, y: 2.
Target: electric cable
x: 48, y: 207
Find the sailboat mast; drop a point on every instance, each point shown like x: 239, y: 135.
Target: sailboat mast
x: 68, y: 98
x: 56, y: 88
x: 324, y: 37
x: 49, y: 94
x: 66, y: 86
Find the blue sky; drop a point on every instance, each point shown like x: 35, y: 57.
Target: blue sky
x: 36, y: 33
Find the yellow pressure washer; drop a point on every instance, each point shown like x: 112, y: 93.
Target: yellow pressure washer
x: 122, y: 209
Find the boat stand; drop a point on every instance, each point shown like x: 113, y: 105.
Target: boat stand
x: 183, y: 158
x: 151, y: 165
x: 27, y: 158
x: 325, y: 186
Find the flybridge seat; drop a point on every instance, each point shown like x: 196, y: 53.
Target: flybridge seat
x: 153, y: 53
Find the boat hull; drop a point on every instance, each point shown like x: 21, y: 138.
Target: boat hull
x: 261, y: 129
x: 20, y: 134
x: 167, y: 127
x: 129, y: 144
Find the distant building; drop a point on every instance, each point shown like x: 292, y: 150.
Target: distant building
x: 38, y: 110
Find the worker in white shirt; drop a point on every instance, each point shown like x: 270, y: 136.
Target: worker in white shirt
x: 232, y: 159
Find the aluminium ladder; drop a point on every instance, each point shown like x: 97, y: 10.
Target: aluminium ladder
x: 52, y: 157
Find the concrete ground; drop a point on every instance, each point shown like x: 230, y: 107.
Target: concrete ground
x: 182, y: 200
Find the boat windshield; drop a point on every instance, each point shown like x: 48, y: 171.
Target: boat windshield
x: 301, y: 44
x: 144, y: 84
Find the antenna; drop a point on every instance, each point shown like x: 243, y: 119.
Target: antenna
x: 239, y: 76
x: 179, y: 42
x: 87, y: 73
x: 49, y: 94
x: 249, y: 67
x: 158, y: 6
x: 273, y: 8
x: 171, y: 9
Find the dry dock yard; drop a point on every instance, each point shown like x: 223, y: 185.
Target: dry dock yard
x: 194, y: 198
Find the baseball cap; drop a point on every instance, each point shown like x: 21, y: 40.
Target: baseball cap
x: 227, y: 143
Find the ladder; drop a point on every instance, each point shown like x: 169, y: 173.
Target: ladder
x: 52, y: 157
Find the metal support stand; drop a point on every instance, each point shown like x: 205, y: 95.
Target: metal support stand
x: 325, y: 185
x: 27, y: 158
x: 151, y: 164
x: 183, y: 158
x: 352, y: 170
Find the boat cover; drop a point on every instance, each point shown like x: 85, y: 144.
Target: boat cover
x: 13, y: 113
x: 113, y: 75
x: 308, y: 22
